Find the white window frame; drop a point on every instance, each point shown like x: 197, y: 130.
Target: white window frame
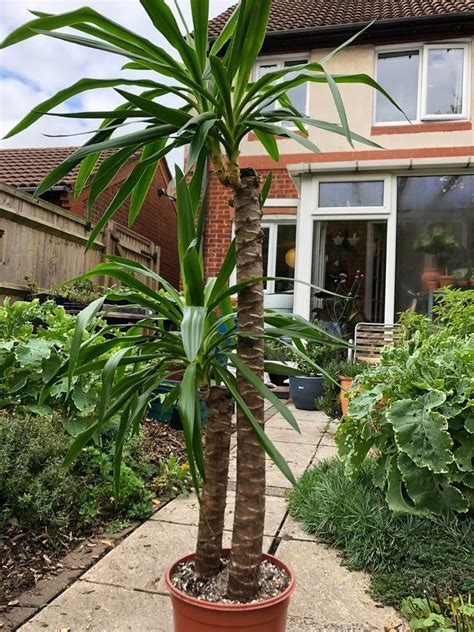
x: 279, y: 62
x: 272, y: 222
x: 330, y: 211
x: 421, y: 115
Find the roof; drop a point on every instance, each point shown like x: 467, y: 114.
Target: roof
x: 26, y: 167
x: 291, y: 15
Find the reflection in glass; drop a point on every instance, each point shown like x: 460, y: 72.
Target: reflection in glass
x: 435, y: 238
x: 286, y: 240
x: 358, y: 193
x: 398, y: 72
x: 444, y: 93
x: 266, y: 236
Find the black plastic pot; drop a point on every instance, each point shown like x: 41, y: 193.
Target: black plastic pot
x: 305, y: 390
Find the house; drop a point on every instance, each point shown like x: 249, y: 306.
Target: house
x: 45, y: 239
x: 396, y: 222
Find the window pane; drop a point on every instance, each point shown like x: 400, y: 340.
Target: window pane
x: 266, y: 236
x: 435, y: 238
x: 285, y: 257
x: 350, y: 194
x: 445, y: 81
x: 398, y: 74
x: 297, y: 95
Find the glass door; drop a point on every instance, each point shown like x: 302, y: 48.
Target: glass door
x: 349, y: 259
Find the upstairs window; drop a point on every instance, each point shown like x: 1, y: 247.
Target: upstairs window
x: 298, y: 95
x: 428, y: 82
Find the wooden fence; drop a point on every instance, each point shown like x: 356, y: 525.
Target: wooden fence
x: 45, y: 243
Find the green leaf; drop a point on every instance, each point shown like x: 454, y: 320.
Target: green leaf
x: 143, y: 185
x: 265, y: 190
x: 171, y: 116
x: 224, y: 275
x: 421, y: 432
x: 226, y: 33
x: 164, y: 21
x: 187, y: 413
x: 198, y: 141
x: 396, y: 499
x: 229, y: 380
x: 428, y: 490
x: 270, y: 144
x: 33, y: 353
x: 83, y: 320
x: 192, y: 330
x: 200, y: 13
x: 259, y: 386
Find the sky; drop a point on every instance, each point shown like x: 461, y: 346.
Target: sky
x: 36, y: 69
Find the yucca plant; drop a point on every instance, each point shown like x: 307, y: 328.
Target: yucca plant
x: 221, y: 104
x: 198, y: 346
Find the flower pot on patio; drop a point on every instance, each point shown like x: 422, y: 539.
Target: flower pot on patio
x: 346, y: 385
x: 196, y: 615
x: 305, y: 390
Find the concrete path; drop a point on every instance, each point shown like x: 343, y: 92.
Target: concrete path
x: 125, y: 591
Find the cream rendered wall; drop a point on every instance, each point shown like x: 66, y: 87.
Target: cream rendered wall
x: 358, y: 100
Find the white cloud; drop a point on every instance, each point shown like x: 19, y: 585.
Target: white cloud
x: 34, y: 70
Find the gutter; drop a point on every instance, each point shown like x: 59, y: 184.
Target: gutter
x: 460, y: 22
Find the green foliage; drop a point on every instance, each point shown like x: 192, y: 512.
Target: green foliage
x: 451, y: 614
x: 35, y: 341
x: 406, y: 555
x: 82, y: 292
x: 38, y: 492
x: 221, y: 103
x: 173, y: 477
x: 200, y: 347
x: 330, y: 402
x: 416, y: 409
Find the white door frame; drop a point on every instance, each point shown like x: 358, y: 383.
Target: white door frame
x: 309, y: 212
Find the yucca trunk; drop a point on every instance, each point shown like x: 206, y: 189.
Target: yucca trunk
x: 214, y: 489
x: 250, y: 487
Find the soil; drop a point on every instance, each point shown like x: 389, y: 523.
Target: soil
x: 272, y: 582
x: 26, y: 557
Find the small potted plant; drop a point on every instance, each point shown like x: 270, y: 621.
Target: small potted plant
x: 348, y: 371
x: 306, y: 389
x: 440, y: 244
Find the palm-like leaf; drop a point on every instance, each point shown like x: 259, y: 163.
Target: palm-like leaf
x: 222, y: 103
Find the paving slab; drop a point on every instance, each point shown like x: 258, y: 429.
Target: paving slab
x: 86, y: 607
x: 328, y: 592
x: 292, y: 530
x: 185, y: 511
x: 289, y: 435
x: 325, y: 452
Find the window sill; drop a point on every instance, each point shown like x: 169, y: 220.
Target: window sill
x: 416, y: 128
x: 252, y: 136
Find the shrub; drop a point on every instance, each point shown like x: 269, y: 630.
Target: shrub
x: 37, y: 491
x: 35, y: 340
x: 406, y: 555
x: 451, y: 614
x: 415, y: 410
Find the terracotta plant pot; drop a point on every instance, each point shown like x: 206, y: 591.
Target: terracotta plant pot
x: 346, y: 385
x: 430, y: 275
x: 445, y: 279
x: 195, y: 615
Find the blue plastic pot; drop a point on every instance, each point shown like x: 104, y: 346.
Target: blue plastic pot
x: 305, y: 390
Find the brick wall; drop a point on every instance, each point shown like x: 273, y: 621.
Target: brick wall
x: 220, y: 215
x: 156, y: 220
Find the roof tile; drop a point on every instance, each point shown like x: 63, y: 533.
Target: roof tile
x: 287, y: 15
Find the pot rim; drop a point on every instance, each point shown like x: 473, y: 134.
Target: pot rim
x: 307, y: 377
x: 231, y: 607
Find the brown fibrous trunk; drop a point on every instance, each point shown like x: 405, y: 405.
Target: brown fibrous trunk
x: 214, y: 489
x: 250, y: 484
